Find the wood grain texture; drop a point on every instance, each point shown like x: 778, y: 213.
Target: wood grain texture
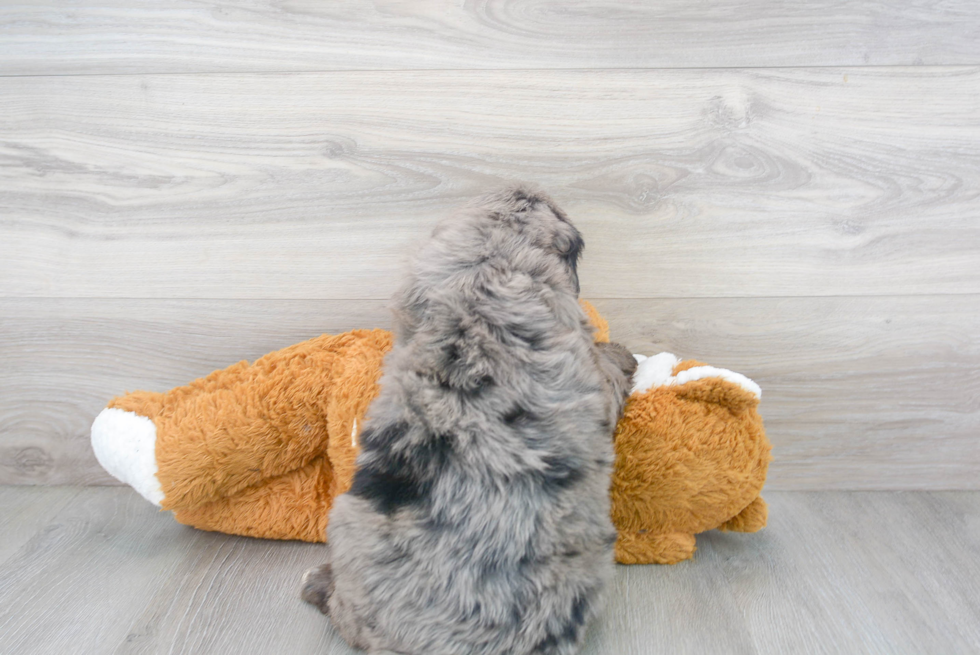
x: 712, y: 183
x: 894, y: 559
x: 26, y: 510
x: 233, y: 595
x: 62, y: 360
x: 125, y: 36
x: 834, y: 572
x: 858, y: 393
x: 93, y: 563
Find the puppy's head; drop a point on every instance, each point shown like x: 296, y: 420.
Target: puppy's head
x: 522, y: 228
x: 552, y: 230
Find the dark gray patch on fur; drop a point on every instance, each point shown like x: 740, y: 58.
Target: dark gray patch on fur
x: 561, y: 472
x: 570, y: 632
x: 517, y: 416
x: 394, y: 475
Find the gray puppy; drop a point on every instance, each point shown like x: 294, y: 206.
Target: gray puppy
x: 478, y: 518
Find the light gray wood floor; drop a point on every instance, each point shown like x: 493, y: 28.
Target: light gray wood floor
x: 98, y: 570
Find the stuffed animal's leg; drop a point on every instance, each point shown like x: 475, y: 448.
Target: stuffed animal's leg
x: 750, y: 519
x: 670, y: 548
x: 318, y: 587
x: 124, y: 441
x: 225, y: 432
x: 290, y: 506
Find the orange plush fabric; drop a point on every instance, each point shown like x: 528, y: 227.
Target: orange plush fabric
x: 689, y: 458
x: 262, y: 449
x: 599, y: 324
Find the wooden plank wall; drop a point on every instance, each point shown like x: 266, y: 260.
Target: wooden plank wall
x: 791, y: 191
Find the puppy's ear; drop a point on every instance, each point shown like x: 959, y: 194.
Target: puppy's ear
x: 568, y: 243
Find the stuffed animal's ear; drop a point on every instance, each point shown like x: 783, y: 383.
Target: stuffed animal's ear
x: 719, y: 390
x: 696, y: 381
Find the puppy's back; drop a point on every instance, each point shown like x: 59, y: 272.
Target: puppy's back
x: 478, y: 519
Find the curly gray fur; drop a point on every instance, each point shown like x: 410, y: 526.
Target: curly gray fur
x: 478, y: 518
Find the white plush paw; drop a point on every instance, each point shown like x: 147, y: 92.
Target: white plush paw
x: 125, y: 445
x: 657, y: 371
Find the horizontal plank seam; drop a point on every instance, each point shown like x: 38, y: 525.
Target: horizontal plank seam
x: 386, y: 298
x: 778, y: 487
x: 80, y: 487
x: 961, y: 66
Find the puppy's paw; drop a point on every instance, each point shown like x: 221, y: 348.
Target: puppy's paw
x: 318, y: 587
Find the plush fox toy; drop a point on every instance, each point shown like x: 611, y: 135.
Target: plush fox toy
x: 262, y: 449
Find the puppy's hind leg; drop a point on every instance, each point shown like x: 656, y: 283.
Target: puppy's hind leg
x: 318, y: 587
